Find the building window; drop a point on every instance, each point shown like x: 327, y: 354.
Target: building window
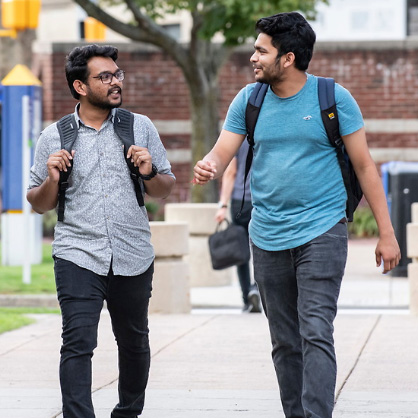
x: 412, y: 18
x: 173, y: 30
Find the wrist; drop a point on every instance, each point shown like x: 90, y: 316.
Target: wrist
x: 222, y: 205
x: 52, y: 180
x: 152, y: 174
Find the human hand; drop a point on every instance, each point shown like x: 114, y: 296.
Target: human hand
x: 141, y: 158
x: 387, y: 250
x: 220, y: 215
x: 204, y: 171
x: 58, y: 161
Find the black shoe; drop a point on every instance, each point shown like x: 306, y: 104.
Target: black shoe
x: 247, y: 308
x: 254, y: 301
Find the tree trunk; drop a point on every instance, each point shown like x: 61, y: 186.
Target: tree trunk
x: 205, y: 131
x: 205, y: 61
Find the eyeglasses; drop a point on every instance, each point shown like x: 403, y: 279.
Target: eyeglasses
x: 106, y: 78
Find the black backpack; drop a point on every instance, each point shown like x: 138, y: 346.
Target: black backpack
x: 123, y: 123
x: 326, y: 87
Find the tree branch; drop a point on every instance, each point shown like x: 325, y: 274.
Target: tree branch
x: 146, y: 31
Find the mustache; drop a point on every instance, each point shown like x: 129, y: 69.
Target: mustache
x: 113, y: 90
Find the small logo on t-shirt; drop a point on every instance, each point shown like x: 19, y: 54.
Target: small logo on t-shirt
x: 309, y: 117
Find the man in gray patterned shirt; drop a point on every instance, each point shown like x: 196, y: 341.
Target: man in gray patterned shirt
x: 102, y: 249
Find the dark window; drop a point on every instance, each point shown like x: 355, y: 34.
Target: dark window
x: 173, y: 30
x: 412, y: 18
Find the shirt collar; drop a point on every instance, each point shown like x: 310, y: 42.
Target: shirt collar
x: 79, y: 121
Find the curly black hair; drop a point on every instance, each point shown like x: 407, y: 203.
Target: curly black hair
x: 78, y: 58
x: 290, y: 32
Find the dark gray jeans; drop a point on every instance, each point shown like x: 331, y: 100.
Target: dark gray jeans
x: 299, y: 289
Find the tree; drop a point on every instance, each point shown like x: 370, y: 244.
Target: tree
x: 202, y: 58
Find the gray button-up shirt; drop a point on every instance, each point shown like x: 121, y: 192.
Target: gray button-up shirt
x: 103, y: 222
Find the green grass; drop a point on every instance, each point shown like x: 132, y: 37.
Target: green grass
x: 11, y: 321
x: 42, y: 277
x: 11, y: 282
x: 13, y: 318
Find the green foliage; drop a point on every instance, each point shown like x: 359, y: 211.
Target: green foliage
x: 152, y: 207
x: 49, y: 219
x: 234, y: 19
x: 364, y: 224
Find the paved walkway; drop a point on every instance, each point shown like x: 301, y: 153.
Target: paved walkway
x: 215, y: 362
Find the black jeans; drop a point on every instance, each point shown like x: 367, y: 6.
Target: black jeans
x: 299, y: 290
x: 81, y: 294
x: 243, y: 270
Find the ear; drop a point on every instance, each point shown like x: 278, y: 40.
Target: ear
x: 289, y: 59
x: 80, y: 87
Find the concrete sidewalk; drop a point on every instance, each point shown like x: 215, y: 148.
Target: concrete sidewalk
x: 219, y: 366
x: 216, y: 363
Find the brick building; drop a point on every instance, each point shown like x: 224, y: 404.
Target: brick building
x: 382, y: 76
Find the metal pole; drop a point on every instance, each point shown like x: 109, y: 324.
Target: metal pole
x: 27, y: 255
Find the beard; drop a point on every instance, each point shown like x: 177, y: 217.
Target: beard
x: 102, y: 103
x: 270, y: 78
x: 270, y: 75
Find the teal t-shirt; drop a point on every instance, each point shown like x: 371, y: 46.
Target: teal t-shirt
x: 296, y: 183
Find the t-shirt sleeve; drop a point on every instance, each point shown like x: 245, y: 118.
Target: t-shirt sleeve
x: 39, y: 169
x: 235, y: 118
x: 153, y: 143
x: 349, y: 113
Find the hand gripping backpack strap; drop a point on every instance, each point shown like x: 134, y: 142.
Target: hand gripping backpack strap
x: 326, y: 95
x: 124, y: 128
x: 68, y: 131
x: 251, y: 115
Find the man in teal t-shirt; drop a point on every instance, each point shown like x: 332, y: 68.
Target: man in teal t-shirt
x: 298, y: 228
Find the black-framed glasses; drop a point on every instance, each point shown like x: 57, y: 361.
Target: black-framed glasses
x: 106, y: 78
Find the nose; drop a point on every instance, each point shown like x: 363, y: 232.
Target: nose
x: 254, y: 57
x: 114, y: 80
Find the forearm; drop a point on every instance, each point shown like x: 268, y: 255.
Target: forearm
x: 221, y: 164
x: 160, y: 186
x: 44, y: 197
x: 372, y: 187
x: 215, y: 162
x: 228, y: 181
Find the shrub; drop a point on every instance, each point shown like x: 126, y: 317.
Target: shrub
x: 364, y: 224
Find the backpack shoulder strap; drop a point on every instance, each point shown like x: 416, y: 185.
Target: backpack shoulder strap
x: 68, y: 131
x: 251, y: 115
x: 326, y: 95
x: 124, y: 127
x: 253, y: 109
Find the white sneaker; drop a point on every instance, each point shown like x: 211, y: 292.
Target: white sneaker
x: 254, y: 301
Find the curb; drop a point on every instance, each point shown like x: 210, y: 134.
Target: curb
x: 32, y: 301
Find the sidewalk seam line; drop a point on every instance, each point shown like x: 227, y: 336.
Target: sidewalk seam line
x: 28, y: 340
x: 358, y: 358
x: 163, y: 348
